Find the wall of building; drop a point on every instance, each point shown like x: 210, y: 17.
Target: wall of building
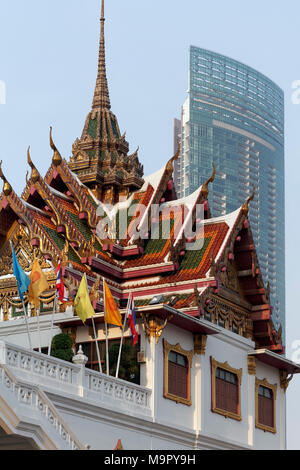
x: 100, y: 419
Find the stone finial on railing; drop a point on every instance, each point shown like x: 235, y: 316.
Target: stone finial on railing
x: 80, y: 359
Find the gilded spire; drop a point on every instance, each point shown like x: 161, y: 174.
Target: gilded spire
x: 100, y: 157
x: 101, y: 95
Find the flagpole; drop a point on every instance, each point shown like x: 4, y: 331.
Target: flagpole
x: 95, y: 334
x: 106, y: 333
x: 21, y: 294
x: 27, y: 325
x: 39, y: 331
x: 52, y: 323
x: 97, y: 345
x: 121, y: 344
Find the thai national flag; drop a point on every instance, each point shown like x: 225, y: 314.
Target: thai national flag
x: 62, y: 292
x: 132, y: 321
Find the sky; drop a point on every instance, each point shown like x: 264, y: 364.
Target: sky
x: 48, y: 63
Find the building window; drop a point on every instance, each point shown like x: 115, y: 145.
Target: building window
x: 177, y: 373
x: 226, y: 390
x: 265, y: 398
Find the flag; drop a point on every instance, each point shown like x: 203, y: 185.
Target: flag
x: 111, y: 314
x: 132, y: 320
x: 119, y: 445
x: 23, y: 280
x: 82, y: 304
x: 38, y: 283
x: 62, y: 291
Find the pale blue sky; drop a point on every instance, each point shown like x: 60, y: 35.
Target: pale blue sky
x: 48, y: 60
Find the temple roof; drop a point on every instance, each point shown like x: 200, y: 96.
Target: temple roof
x: 72, y: 216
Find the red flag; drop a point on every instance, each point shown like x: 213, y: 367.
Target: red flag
x: 62, y: 291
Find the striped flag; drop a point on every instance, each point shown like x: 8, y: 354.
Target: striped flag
x: 132, y: 321
x: 62, y: 291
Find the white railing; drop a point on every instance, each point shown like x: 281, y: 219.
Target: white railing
x: 29, y: 402
x: 49, y: 371
x: 117, y: 392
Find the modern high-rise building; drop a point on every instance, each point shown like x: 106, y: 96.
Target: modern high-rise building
x: 234, y: 117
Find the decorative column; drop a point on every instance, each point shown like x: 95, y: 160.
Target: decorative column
x: 149, y: 346
x: 81, y: 360
x: 200, y: 342
x: 285, y: 380
x: 251, y: 399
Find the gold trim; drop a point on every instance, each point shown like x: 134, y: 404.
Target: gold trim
x: 265, y: 383
x: 189, y: 355
x: 154, y: 325
x: 238, y: 372
x: 200, y: 342
x: 251, y: 365
x: 285, y: 380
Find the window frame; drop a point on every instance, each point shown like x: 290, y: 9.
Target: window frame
x: 167, y: 348
x: 238, y: 372
x: 264, y: 383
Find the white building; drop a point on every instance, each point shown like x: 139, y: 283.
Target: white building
x: 47, y: 403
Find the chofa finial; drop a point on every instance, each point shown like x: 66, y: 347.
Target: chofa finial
x: 204, y: 190
x: 245, y: 208
x: 7, y: 189
x: 57, y: 158
x: 170, y: 165
x: 34, y: 173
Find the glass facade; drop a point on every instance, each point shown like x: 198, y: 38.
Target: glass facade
x: 234, y: 117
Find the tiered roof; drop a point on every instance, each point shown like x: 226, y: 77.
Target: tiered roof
x: 59, y: 217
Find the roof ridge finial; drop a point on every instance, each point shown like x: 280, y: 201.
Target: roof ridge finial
x: 34, y: 172
x: 57, y: 158
x: 245, y: 207
x: 101, y: 96
x: 210, y: 180
x: 7, y: 189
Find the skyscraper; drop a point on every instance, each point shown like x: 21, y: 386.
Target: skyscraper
x: 234, y: 117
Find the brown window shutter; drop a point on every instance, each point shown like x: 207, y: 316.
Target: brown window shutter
x: 172, y: 388
x: 226, y: 393
x: 178, y: 380
x: 265, y: 411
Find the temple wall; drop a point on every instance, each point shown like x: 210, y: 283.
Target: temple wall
x: 165, y: 424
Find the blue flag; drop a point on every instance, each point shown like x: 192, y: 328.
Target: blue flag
x: 23, y: 280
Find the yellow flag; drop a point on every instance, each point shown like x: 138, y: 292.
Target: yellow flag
x: 38, y: 283
x: 82, y: 304
x: 111, y: 314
